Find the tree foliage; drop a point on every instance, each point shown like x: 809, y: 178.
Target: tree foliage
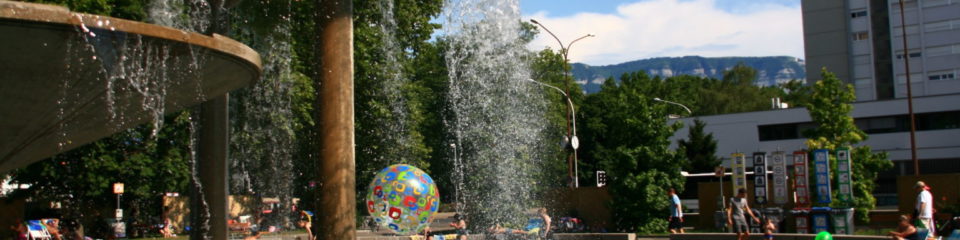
x: 700, y: 149
x: 82, y: 179
x: 830, y: 107
x: 629, y: 138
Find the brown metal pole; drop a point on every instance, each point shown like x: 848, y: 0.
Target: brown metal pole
x: 213, y: 147
x: 335, y: 114
x: 913, y: 120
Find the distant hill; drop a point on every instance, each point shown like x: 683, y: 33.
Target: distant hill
x: 770, y: 70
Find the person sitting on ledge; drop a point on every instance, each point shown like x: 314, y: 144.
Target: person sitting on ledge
x: 905, y: 230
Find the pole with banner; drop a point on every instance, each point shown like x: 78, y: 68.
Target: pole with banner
x: 719, y: 171
x: 844, y: 182
x: 821, y: 162
x: 760, y: 177
x: 779, y: 162
x: 739, y: 168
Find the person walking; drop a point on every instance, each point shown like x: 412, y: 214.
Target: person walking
x: 924, y: 208
x: 676, y: 212
x: 736, y: 218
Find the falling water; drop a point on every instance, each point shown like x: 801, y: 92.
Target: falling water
x: 498, y: 114
x: 262, y: 116
x: 390, y: 114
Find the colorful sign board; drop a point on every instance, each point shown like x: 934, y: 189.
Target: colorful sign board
x: 821, y: 162
x: 760, y: 177
x: 800, y: 179
x: 844, y: 181
x: 778, y: 160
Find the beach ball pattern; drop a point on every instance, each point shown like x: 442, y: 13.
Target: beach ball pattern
x: 402, y: 198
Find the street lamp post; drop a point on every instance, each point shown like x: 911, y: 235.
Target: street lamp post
x: 574, y: 142
x: 674, y: 103
x: 571, y: 121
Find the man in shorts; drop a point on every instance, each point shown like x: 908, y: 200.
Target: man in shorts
x: 735, y: 216
x: 676, y: 213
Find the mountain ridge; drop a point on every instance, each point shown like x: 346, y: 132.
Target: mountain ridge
x: 771, y: 70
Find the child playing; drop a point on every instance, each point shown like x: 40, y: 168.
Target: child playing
x: 460, y: 224
x: 768, y: 229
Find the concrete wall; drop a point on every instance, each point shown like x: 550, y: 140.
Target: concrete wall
x: 589, y: 203
x: 825, y: 35
x: 177, y: 209
x: 788, y: 236
x: 558, y: 236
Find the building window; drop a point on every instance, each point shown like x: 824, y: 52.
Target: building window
x: 778, y: 132
x: 938, y: 120
x: 913, y: 54
x: 941, y: 75
x: 858, y: 36
x: 856, y: 14
x: 870, y: 125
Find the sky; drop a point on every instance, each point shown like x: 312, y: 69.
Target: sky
x: 628, y: 30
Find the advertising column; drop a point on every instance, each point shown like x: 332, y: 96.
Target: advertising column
x: 801, y: 184
x: 843, y: 217
x: 821, y: 215
x: 760, y: 177
x: 845, y: 194
x: 822, y: 169
x: 800, y: 179
x: 739, y: 168
x: 779, y: 178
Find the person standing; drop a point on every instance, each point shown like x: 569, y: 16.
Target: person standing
x: 924, y: 206
x: 676, y: 213
x: 736, y: 218
x: 546, y: 223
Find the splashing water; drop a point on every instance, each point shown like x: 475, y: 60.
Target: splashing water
x: 498, y: 115
x: 262, y: 126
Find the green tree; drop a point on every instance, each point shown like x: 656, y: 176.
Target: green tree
x: 630, y: 135
x: 81, y: 179
x: 736, y: 93
x: 830, y: 107
x: 796, y: 93
x: 700, y: 149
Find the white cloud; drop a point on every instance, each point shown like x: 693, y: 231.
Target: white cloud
x: 671, y: 28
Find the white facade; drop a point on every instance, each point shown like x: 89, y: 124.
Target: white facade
x: 740, y: 132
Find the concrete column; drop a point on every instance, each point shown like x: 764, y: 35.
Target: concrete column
x: 212, y: 149
x: 337, y: 203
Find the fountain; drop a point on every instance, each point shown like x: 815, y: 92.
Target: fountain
x: 76, y: 78
x: 79, y: 77
x: 499, y: 120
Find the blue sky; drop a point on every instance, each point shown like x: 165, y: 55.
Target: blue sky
x: 559, y: 8
x: 636, y: 29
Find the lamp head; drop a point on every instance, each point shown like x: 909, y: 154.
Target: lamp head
x: 534, y: 21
